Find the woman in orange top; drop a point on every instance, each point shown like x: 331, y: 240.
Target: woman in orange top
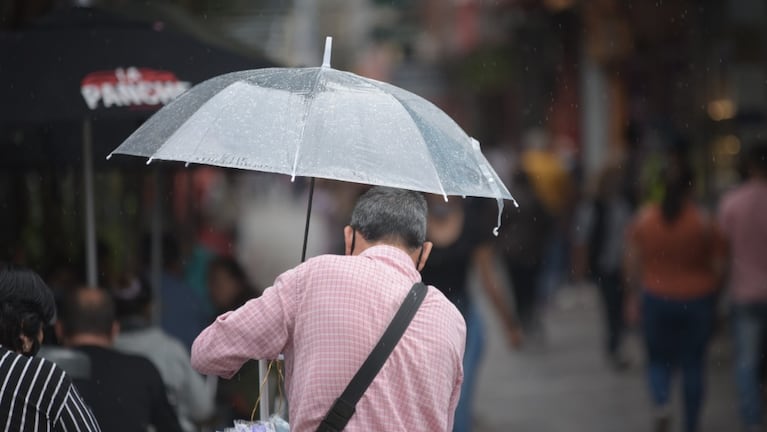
x: 674, y: 256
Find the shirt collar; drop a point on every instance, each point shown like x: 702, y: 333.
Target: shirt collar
x: 395, y: 257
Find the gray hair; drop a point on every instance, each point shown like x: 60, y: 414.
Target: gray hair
x: 394, y: 215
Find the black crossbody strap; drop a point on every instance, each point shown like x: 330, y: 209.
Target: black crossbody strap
x: 344, y: 407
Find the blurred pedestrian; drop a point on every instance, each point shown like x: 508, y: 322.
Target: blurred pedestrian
x: 599, y: 247
x: 675, y: 258
x: 552, y: 184
x: 547, y: 172
x: 125, y: 391
x: 183, y: 311
x: 216, y: 209
x: 327, y: 314
x: 35, y: 394
x: 186, y: 389
x: 228, y: 285
x: 522, y: 245
x: 461, y: 242
x: 743, y: 218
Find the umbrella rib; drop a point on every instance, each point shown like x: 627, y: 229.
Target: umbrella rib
x: 375, y: 84
x: 476, y: 156
x: 422, y: 141
x: 303, y: 123
x: 434, y: 168
x: 487, y: 175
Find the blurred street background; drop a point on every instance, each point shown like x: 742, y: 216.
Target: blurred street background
x: 565, y: 386
x: 580, y: 105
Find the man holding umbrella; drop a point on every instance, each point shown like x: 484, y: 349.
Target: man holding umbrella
x: 327, y: 314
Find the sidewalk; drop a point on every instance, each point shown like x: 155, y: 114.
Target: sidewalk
x: 565, y: 385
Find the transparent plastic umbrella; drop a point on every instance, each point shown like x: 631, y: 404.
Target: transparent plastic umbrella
x: 319, y: 122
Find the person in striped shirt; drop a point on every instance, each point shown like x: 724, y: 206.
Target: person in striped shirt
x: 35, y: 394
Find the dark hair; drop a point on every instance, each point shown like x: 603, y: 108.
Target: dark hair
x: 26, y: 305
x: 677, y: 179
x: 389, y: 214
x: 87, y: 310
x: 132, y: 297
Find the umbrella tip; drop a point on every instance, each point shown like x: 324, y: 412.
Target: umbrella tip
x: 109, y: 156
x: 328, y: 48
x: 186, y: 165
x: 149, y: 161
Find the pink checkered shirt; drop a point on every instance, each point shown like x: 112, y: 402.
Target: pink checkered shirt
x: 325, y: 316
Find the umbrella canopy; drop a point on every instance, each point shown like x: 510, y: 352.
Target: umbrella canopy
x: 319, y: 122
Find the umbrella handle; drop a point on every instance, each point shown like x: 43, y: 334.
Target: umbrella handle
x: 308, y: 217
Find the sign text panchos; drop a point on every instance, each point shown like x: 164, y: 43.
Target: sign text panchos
x: 131, y: 87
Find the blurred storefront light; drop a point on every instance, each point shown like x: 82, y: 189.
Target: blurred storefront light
x: 721, y: 109
x: 730, y: 145
x: 558, y: 5
x: 726, y: 146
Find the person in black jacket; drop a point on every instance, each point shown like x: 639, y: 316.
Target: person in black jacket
x: 125, y: 391
x: 521, y: 247
x: 599, y: 239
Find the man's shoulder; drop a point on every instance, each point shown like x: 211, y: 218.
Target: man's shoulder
x: 133, y: 363
x: 39, y: 367
x: 328, y: 263
x: 31, y: 363
x: 323, y: 259
x: 445, y: 308
x: 56, y: 374
x: 439, y: 298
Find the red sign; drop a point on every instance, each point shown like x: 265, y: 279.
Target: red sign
x: 131, y: 87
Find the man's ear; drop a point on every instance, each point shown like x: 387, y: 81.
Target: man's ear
x: 348, y: 235
x: 427, y: 246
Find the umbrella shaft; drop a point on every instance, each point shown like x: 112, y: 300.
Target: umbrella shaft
x: 308, y: 217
